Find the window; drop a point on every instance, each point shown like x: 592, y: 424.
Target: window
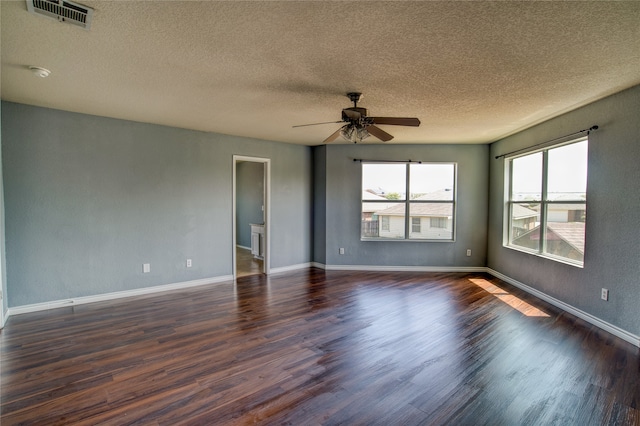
x: 415, y: 225
x: 438, y: 222
x: 400, y: 200
x: 547, y: 201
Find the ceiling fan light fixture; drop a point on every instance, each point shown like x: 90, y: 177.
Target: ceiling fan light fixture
x: 354, y: 133
x: 347, y: 132
x: 362, y: 133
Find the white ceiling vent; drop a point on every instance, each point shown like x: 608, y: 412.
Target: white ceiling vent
x: 63, y: 11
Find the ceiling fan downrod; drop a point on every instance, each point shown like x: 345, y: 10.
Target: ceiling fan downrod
x: 355, y: 98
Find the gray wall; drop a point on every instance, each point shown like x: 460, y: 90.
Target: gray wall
x: 343, y: 193
x: 613, y: 214
x: 89, y: 199
x: 3, y: 263
x: 249, y: 199
x: 320, y: 204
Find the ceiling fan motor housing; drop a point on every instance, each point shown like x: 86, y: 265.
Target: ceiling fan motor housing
x: 353, y: 114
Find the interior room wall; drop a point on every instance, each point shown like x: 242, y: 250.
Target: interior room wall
x: 343, y: 207
x: 613, y: 214
x: 89, y: 199
x: 320, y: 204
x: 3, y: 263
x: 249, y: 199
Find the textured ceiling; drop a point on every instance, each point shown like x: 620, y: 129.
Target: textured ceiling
x: 472, y: 72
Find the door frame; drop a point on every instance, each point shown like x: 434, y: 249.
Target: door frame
x: 266, y: 266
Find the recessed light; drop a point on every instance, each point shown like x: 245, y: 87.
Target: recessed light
x: 40, y: 72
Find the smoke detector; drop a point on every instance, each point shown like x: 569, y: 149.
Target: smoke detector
x: 40, y: 72
x: 63, y: 11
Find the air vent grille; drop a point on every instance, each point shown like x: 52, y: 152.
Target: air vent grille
x: 63, y: 11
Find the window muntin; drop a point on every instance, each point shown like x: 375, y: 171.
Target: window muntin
x: 547, y: 201
x: 389, y: 214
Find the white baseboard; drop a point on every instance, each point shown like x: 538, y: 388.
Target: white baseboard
x: 610, y: 328
x: 401, y: 268
x: 290, y: 268
x: 243, y: 247
x: 17, y: 310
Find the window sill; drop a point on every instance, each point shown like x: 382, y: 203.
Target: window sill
x: 576, y: 264
x: 404, y: 240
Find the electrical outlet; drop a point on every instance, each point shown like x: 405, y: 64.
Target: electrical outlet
x: 341, y: 250
x: 468, y: 252
x: 146, y: 268
x: 604, y: 295
x: 189, y: 264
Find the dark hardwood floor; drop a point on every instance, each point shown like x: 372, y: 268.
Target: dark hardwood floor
x: 314, y: 347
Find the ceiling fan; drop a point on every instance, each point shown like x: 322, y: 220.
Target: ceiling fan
x: 359, y: 126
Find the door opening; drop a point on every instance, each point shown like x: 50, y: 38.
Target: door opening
x: 251, y: 191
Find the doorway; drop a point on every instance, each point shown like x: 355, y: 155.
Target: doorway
x: 251, y: 193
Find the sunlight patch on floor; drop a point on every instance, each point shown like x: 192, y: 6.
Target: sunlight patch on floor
x: 511, y: 300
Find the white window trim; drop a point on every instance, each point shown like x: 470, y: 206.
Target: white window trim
x: 507, y: 228
x: 407, y: 202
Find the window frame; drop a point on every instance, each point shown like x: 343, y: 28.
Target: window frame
x: 407, y: 202
x: 544, y: 203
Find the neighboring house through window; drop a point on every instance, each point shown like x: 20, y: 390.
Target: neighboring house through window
x: 408, y: 201
x: 547, y: 201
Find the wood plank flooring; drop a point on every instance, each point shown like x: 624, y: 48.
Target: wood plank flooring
x: 316, y: 347
x: 246, y: 264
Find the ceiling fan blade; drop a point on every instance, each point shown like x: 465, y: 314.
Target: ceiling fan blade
x: 396, y: 121
x: 315, y: 124
x: 379, y: 133
x: 335, y: 135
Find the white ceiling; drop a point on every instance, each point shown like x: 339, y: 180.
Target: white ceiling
x: 472, y: 72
